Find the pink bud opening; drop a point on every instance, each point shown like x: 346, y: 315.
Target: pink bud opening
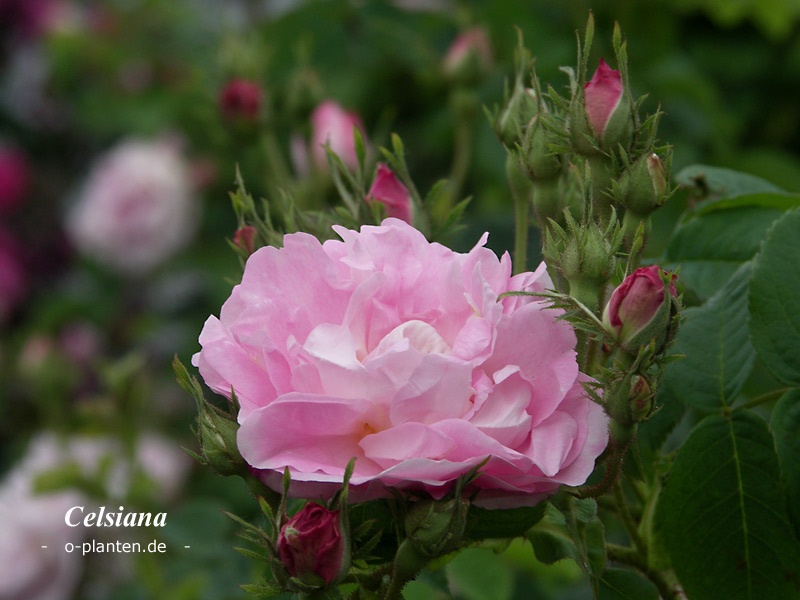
x: 333, y: 125
x: 310, y: 542
x: 389, y: 191
x: 602, y: 95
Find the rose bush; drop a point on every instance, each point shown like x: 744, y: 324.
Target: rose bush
x: 397, y: 352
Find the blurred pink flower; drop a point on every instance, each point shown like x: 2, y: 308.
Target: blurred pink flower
x: 389, y: 191
x: 333, y: 125
x: 470, y: 54
x: 397, y: 352
x: 15, y: 178
x: 137, y: 207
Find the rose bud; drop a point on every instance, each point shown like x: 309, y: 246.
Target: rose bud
x: 606, y: 111
x: 14, y: 178
x: 240, y: 99
x: 245, y: 239
x: 333, y: 125
x: 642, y: 308
x: 469, y: 58
x: 390, y: 191
x: 311, y: 544
x: 644, y: 186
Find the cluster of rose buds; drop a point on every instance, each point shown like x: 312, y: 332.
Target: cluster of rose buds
x: 589, y: 168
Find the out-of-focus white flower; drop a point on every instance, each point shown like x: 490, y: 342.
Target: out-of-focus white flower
x: 137, y: 207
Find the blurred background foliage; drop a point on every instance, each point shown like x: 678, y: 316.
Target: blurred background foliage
x: 725, y: 73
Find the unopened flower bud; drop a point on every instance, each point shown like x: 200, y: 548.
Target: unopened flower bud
x: 642, y: 308
x: 389, y: 190
x: 643, y: 186
x: 518, y: 112
x: 602, y: 114
x: 333, y: 125
x: 436, y: 527
x: 217, y: 434
x: 469, y: 58
x: 642, y: 399
x: 240, y: 100
x: 312, y: 545
x: 542, y: 163
x: 245, y: 239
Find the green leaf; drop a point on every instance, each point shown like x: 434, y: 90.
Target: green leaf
x: 775, y: 300
x: 722, y: 514
x: 711, y: 248
x: 719, y: 182
x: 781, y: 201
x: 785, y: 425
x: 483, y: 524
x: 715, y: 343
x: 622, y: 584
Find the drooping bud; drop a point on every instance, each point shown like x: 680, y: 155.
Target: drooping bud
x: 469, y: 58
x: 642, y: 308
x: 333, y: 125
x: 313, y: 547
x: 436, y: 527
x: 240, y: 100
x: 389, y: 190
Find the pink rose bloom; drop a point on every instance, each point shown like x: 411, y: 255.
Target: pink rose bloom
x: 137, y: 208
x: 397, y: 352
x: 603, y: 94
x: 333, y: 125
x: 389, y: 191
x: 14, y: 178
x: 13, y: 284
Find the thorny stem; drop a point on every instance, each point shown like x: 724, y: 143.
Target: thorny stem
x: 669, y: 588
x: 627, y: 519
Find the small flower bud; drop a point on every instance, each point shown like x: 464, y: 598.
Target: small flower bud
x: 312, y: 545
x: 642, y: 308
x: 518, y: 112
x: 642, y: 399
x: 240, y: 99
x: 643, y: 186
x: 245, y: 239
x: 542, y: 163
x: 436, y: 527
x: 469, y: 58
x: 217, y: 434
x: 390, y: 191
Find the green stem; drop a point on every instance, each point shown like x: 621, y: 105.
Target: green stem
x: 521, y: 189
x: 627, y: 519
x: 601, y: 181
x: 408, y: 563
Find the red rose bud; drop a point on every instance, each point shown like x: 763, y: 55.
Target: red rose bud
x: 389, y: 191
x: 469, y: 57
x: 312, y: 544
x: 15, y: 178
x: 240, y: 99
x: 641, y: 309
x: 245, y: 239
